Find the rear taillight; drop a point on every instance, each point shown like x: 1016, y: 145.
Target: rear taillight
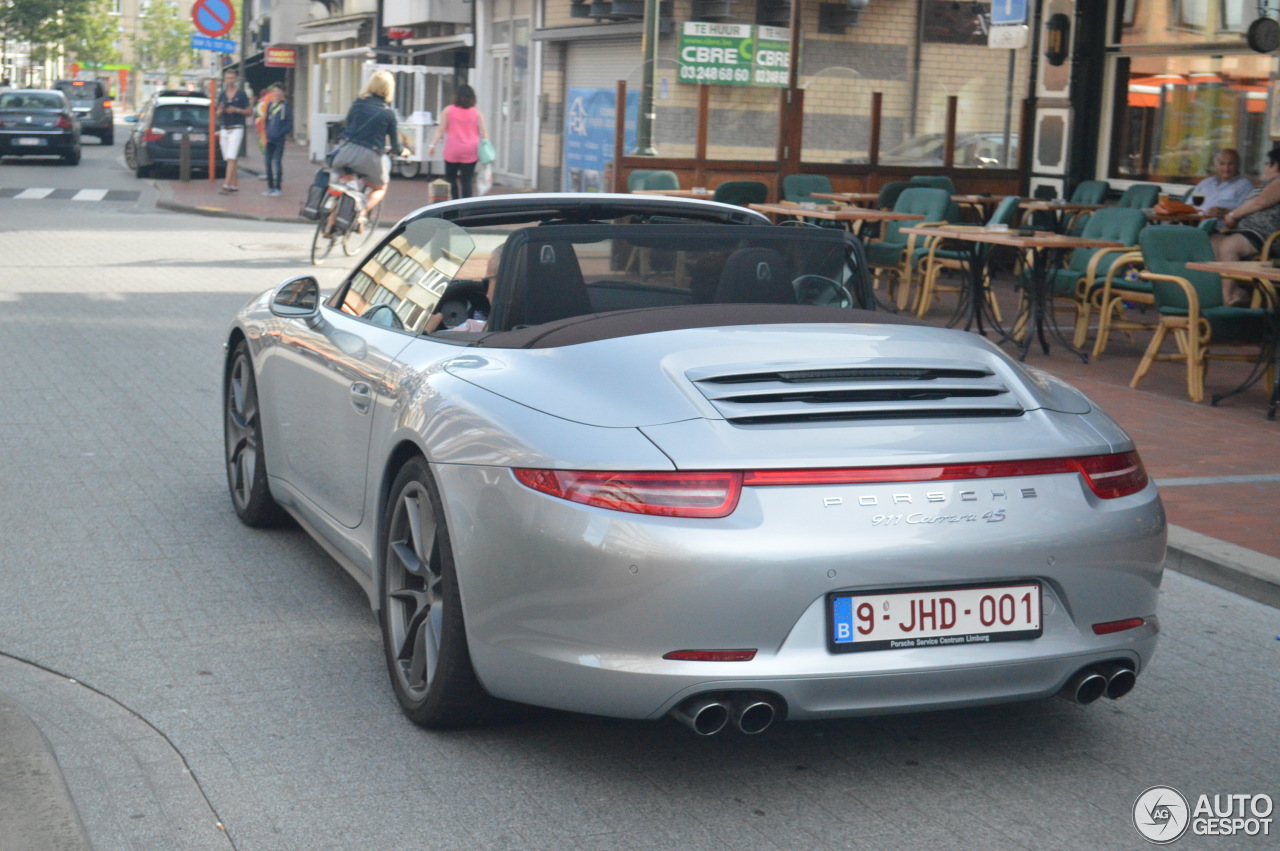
x: 716, y: 494
x: 64, y: 123
x: 1111, y: 476
x: 1108, y: 476
x: 106, y: 104
x: 665, y: 494
x: 153, y: 135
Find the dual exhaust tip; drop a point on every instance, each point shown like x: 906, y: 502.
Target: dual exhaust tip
x: 749, y: 713
x: 1109, y: 679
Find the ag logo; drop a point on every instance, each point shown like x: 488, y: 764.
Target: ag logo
x: 1161, y: 814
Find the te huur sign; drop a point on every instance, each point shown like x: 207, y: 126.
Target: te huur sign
x: 733, y: 54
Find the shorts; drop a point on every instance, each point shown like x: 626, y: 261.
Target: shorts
x: 374, y: 167
x: 1255, y: 239
x: 229, y: 139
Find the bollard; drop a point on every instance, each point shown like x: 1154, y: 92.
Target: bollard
x: 184, y: 158
x: 437, y: 191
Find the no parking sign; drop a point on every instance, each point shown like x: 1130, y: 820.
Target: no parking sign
x: 213, y: 17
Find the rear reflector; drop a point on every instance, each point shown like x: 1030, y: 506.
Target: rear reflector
x: 666, y: 494
x: 711, y: 655
x: 1117, y: 626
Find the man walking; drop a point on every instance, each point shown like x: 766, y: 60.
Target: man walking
x: 232, y: 107
x: 278, y: 127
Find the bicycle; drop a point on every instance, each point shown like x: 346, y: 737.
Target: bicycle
x: 342, y: 220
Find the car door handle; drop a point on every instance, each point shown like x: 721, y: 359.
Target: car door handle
x: 361, y: 396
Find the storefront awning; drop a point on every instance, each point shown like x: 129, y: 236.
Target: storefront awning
x: 332, y: 29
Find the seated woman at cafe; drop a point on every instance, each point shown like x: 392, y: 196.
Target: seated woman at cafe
x: 1247, y: 227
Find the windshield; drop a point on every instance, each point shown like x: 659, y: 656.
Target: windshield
x: 555, y: 272
x: 30, y: 100
x: 181, y: 115
x: 410, y: 273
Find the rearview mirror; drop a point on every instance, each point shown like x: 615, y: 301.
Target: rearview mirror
x: 297, y: 298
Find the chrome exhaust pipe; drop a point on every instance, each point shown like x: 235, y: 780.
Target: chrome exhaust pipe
x: 753, y: 714
x: 1120, y: 679
x: 1084, y: 687
x: 705, y: 716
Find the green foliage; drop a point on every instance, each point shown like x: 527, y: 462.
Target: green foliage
x: 44, y: 24
x: 93, y: 35
x: 164, y: 43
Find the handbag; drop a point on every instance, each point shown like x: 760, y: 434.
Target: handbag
x: 485, y: 152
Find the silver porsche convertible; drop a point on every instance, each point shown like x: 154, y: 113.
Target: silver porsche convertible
x: 645, y: 457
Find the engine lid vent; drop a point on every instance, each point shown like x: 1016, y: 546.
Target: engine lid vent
x: 748, y: 396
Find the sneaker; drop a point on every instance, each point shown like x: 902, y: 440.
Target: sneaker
x: 269, y: 192
x: 277, y: 192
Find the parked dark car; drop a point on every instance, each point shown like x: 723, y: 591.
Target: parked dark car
x: 156, y: 139
x: 91, y: 102
x: 973, y: 150
x: 38, y: 123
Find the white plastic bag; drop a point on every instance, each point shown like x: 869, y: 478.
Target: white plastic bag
x: 483, y: 179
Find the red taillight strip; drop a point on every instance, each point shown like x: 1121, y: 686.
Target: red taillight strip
x: 711, y: 655
x: 1108, y: 476
x: 665, y: 494
x: 1117, y: 626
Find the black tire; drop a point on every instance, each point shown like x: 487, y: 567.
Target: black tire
x: 108, y: 138
x: 72, y: 158
x: 408, y: 169
x: 242, y: 433
x: 423, y: 633
x: 142, y: 170
x: 357, y: 238
x: 321, y: 245
x: 130, y: 155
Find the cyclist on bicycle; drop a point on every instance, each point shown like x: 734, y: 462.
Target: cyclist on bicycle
x: 371, y: 129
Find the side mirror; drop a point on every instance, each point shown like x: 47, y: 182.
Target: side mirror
x: 298, y: 298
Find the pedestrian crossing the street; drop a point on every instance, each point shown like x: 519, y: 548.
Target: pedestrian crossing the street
x: 49, y: 194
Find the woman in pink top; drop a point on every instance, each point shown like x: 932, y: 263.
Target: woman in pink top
x: 462, y: 126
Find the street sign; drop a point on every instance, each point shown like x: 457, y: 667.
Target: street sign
x: 280, y: 57
x: 1008, y: 12
x: 216, y: 17
x: 217, y: 45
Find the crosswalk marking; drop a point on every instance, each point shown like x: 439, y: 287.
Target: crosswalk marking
x: 41, y: 193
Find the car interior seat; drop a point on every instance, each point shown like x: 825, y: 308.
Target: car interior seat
x: 754, y: 276
x: 553, y: 287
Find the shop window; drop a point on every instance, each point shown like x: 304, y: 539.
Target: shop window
x: 1191, y: 14
x: 1175, y: 113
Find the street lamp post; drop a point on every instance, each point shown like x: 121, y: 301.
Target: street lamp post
x: 649, y: 49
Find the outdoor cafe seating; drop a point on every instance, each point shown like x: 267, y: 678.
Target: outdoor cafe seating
x: 1191, y: 308
x: 893, y: 254
x: 933, y: 258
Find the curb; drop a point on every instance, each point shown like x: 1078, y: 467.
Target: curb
x: 38, y: 810
x: 219, y: 213
x: 1237, y: 569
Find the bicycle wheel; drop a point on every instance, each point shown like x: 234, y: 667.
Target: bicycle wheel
x: 321, y: 245
x: 356, y: 238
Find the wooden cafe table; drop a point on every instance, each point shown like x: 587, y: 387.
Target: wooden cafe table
x: 1037, y: 309
x: 1264, y: 276
x: 848, y: 197
x: 849, y: 216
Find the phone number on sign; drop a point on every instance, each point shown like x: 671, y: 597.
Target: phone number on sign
x: 703, y: 73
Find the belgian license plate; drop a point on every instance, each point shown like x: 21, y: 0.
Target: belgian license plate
x: 933, y: 617
x: 199, y: 137
x: 29, y: 140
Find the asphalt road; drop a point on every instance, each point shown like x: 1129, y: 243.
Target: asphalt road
x: 190, y: 672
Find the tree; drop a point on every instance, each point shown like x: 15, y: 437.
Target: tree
x: 164, y: 43
x: 43, y: 24
x: 93, y: 35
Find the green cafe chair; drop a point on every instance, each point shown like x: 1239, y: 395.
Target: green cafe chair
x: 1086, y: 192
x: 933, y: 258
x: 799, y: 188
x: 1190, y: 306
x: 1140, y: 196
x: 894, y: 252
x: 741, y: 192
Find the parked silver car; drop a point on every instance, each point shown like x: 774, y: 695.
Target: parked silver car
x: 643, y: 456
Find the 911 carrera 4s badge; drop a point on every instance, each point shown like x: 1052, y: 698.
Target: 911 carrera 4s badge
x: 933, y: 617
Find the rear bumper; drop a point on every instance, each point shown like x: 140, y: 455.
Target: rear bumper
x: 51, y: 144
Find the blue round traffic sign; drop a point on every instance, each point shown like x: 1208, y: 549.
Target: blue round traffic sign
x: 213, y: 17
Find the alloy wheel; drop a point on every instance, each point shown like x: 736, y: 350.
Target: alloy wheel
x: 413, y: 582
